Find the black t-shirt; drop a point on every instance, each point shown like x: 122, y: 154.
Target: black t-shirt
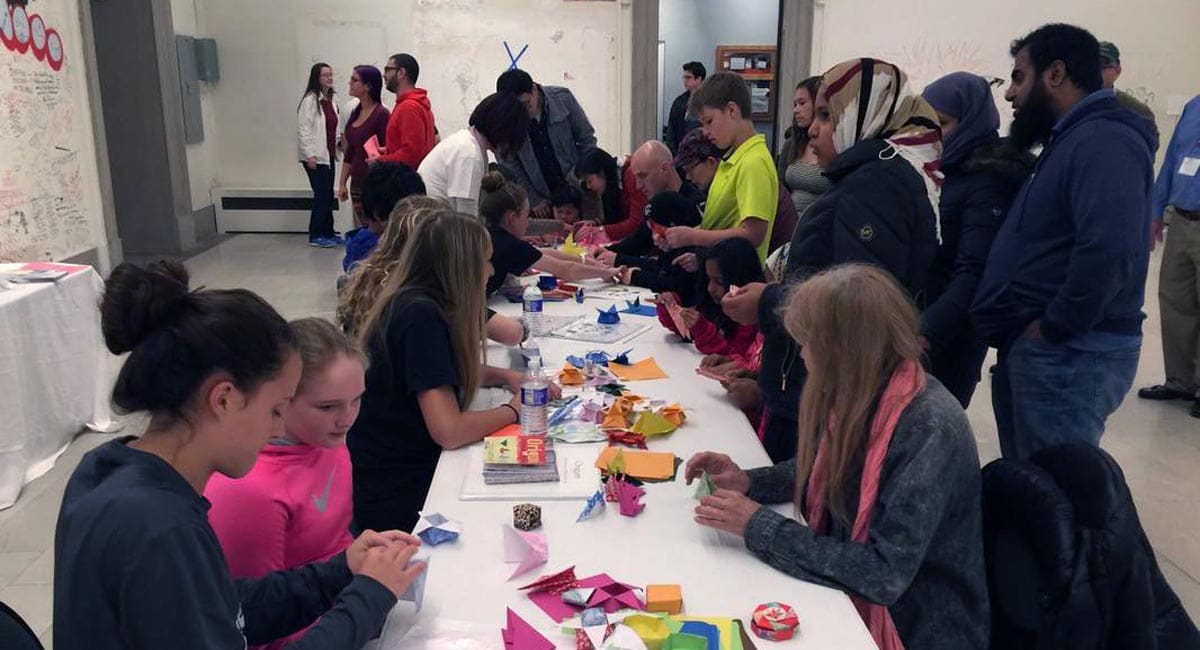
x: 391, y: 450
x: 510, y: 255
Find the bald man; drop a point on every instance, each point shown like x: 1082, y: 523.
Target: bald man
x: 654, y: 170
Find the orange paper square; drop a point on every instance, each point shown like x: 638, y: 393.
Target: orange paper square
x: 666, y: 599
x: 645, y: 369
x: 648, y: 465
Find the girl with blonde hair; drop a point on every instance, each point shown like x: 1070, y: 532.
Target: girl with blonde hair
x: 424, y: 336
x: 886, y: 476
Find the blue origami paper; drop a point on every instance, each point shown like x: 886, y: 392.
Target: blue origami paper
x: 594, y: 506
x: 608, y: 316
x: 579, y: 295
x: 622, y: 358
x: 435, y: 528
x: 593, y: 616
x: 636, y: 307
x: 547, y: 282
x: 705, y: 630
x: 563, y: 412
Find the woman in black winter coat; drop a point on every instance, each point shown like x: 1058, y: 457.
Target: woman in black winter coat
x: 982, y: 174
x: 881, y: 161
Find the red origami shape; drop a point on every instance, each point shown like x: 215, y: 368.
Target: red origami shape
x: 555, y: 583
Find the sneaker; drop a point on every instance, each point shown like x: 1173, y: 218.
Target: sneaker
x: 322, y: 242
x: 337, y: 239
x: 1164, y: 392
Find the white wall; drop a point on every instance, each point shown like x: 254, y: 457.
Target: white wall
x: 266, y: 53
x: 201, y: 156
x: 1157, y: 38
x: 49, y: 188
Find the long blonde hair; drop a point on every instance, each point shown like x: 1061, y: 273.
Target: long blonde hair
x: 856, y: 325
x: 444, y: 256
x: 319, y: 343
x: 367, y: 279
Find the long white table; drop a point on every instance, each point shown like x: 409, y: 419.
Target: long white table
x: 468, y: 586
x: 55, y: 374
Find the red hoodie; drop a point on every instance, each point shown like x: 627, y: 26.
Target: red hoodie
x: 410, y: 129
x: 633, y: 206
x: 744, y: 345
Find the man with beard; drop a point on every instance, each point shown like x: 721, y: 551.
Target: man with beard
x: 1062, y: 293
x: 410, y: 131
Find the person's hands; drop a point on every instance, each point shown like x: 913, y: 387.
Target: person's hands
x: 713, y: 360
x: 624, y: 275
x: 724, y: 473
x: 660, y: 242
x: 356, y: 553
x: 680, y: 236
x: 543, y: 211
x: 604, y: 256
x: 688, y: 262
x: 389, y: 566
x: 733, y: 370
x: 726, y: 510
x: 555, y: 389
x: 343, y: 193
x: 1157, y: 228
x: 743, y: 392
x: 311, y: 162
x: 690, y: 317
x: 742, y: 307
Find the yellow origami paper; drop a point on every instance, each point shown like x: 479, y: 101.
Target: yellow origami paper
x: 649, y: 423
x: 570, y: 376
x: 645, y: 369
x: 571, y: 248
x: 652, y: 630
x: 673, y: 414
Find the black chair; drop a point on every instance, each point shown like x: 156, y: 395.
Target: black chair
x: 1068, y: 563
x: 15, y: 633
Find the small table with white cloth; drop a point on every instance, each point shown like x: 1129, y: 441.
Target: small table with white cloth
x: 55, y: 374
x: 468, y: 585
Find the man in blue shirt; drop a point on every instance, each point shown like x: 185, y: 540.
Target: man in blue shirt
x: 1061, y: 296
x: 1177, y: 202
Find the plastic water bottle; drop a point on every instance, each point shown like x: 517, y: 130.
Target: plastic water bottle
x: 532, y: 352
x: 535, y: 401
x: 532, y: 309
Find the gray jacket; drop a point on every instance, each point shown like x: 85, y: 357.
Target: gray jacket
x: 570, y: 134
x: 924, y: 557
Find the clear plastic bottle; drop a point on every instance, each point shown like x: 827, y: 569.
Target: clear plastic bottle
x: 535, y: 401
x: 532, y: 309
x: 531, y: 351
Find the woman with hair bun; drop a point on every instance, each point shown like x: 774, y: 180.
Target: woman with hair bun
x: 136, y: 563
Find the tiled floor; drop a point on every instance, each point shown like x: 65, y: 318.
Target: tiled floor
x: 1157, y: 444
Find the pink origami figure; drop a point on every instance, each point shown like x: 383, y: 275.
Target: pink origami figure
x: 630, y: 499
x: 609, y: 594
x: 614, y: 595
x: 520, y: 635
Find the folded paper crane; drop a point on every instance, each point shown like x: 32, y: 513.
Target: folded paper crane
x: 649, y: 423
x: 593, y: 507
x: 555, y: 583
x: 629, y: 497
x: 608, y: 316
x: 526, y: 549
x: 636, y: 307
x: 570, y: 376
x: 435, y: 528
x: 704, y: 485
x: 520, y: 635
x: 673, y: 413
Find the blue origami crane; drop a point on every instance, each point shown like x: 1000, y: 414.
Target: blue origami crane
x: 608, y: 316
x: 636, y: 307
x: 622, y: 358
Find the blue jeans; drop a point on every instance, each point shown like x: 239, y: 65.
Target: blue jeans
x: 1045, y: 394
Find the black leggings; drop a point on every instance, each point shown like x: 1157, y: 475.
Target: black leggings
x: 320, y: 220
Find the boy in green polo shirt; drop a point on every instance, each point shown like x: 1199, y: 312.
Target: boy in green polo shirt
x: 745, y: 191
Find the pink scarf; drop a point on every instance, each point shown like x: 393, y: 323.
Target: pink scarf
x: 905, y: 384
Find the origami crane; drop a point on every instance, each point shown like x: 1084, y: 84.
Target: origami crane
x: 555, y: 583
x: 704, y: 485
x: 649, y: 423
x: 673, y: 414
x: 608, y: 316
x: 570, y: 376
x: 593, y: 507
x: 636, y: 307
x: 629, y: 497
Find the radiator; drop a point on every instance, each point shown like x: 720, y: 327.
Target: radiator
x: 242, y: 209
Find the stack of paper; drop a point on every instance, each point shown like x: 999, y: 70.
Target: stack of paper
x: 512, y: 458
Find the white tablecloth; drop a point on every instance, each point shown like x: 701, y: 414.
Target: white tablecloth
x: 468, y: 583
x: 55, y: 374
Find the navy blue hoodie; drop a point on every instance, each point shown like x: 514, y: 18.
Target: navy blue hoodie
x: 136, y: 565
x: 1074, y: 249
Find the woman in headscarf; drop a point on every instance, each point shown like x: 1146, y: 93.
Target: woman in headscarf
x: 982, y: 173
x: 879, y: 144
